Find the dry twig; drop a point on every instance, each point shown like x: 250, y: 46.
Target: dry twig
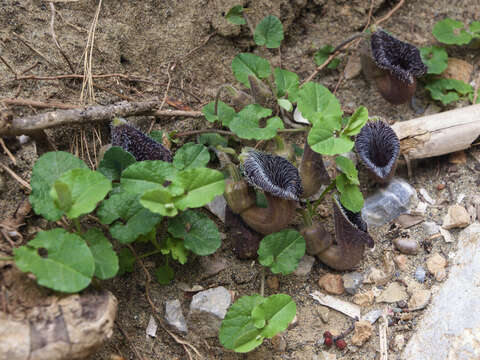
x: 132, y: 345
x: 12, y: 173
x: 26, y: 43
x: 38, y: 104
x: 8, y: 66
x: 52, y: 31
x: 390, y: 13
x: 9, y: 154
x: 34, y: 123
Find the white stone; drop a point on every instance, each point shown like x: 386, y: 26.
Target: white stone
x: 174, y: 315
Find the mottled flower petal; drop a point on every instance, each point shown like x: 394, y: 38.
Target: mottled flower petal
x: 273, y: 174
x: 137, y: 143
x: 400, y: 58
x: 378, y: 147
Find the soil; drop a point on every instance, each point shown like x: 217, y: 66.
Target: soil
x: 171, y: 42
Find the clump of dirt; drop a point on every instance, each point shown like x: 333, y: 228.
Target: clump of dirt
x: 186, y: 47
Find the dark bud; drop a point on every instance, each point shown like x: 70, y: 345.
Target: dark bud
x: 378, y: 147
x: 273, y: 174
x: 340, y: 344
x: 141, y: 146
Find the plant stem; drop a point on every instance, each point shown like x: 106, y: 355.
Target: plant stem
x: 7, y: 259
x: 262, y: 281
x: 77, y: 225
x: 346, y: 41
x: 229, y: 133
x: 154, y: 252
x: 324, y: 193
x: 217, y: 96
x: 307, y: 215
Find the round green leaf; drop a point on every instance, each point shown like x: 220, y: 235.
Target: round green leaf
x: 322, y: 141
x: 247, y: 123
x: 201, y: 185
x: 245, y: 64
x: 322, y: 55
x: 350, y: 195
x: 269, y: 32
x: 286, y: 247
x: 164, y: 274
x: 46, y: 170
x: 68, y: 265
x: 147, y: 175
x: 436, y: 59
x: 348, y: 168
x: 224, y: 114
x: 447, y: 90
x: 159, y: 201
x: 234, y: 15
x: 190, y: 156
x: 284, y: 103
x: 106, y: 260
x: 212, y: 139
x: 86, y: 187
x: 356, y: 121
x: 238, y: 331
x: 448, y: 32
x: 287, y: 83
x: 277, y: 311
x: 316, y: 103
x: 200, y: 234
x: 125, y: 261
x: 114, y: 161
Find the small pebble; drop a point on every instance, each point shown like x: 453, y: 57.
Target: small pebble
x: 406, y: 246
x: 279, y: 343
x: 352, y: 281
x: 272, y: 282
x: 436, y: 265
x: 440, y: 187
x: 420, y: 274
x: 332, y: 284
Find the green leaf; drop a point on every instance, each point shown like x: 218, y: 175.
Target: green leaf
x: 200, y: 234
x: 439, y: 89
x: 323, y: 142
x: 147, y: 175
x: 114, y: 162
x: 322, y: 55
x: 436, y: 59
x: 245, y: 64
x: 471, y: 96
x: 277, y: 311
x: 156, y: 135
x: 212, y: 139
x: 159, y: 201
x: 225, y: 113
x: 136, y: 220
x: 286, y: 104
x: 86, y: 188
x: 348, y: 168
x: 68, y: 265
x: 356, y: 121
x: 46, y: 171
x: 238, y: 331
x: 201, y: 186
x: 190, y: 156
x: 269, y: 32
x: 474, y: 28
x: 246, y: 123
x: 164, y: 274
x: 333, y: 64
x: 318, y: 105
x: 287, y: 83
x: 106, y: 260
x: 281, y: 251
x: 176, y: 248
x: 234, y: 15
x: 125, y: 261
x: 63, y: 196
x: 350, y: 195
x: 451, y: 32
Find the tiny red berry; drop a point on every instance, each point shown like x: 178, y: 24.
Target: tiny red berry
x: 328, y: 341
x: 341, y: 344
x: 327, y: 334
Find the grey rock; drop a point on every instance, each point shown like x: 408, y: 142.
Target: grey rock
x: 389, y: 203
x: 152, y: 327
x: 304, y: 266
x: 406, y: 246
x: 352, y: 282
x: 207, y: 310
x: 174, y: 315
x: 450, y: 327
x: 420, y: 274
x: 430, y: 227
x: 372, y: 316
x: 217, y: 207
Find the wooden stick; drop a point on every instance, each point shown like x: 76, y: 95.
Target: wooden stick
x: 440, y: 133
x: 34, y: 123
